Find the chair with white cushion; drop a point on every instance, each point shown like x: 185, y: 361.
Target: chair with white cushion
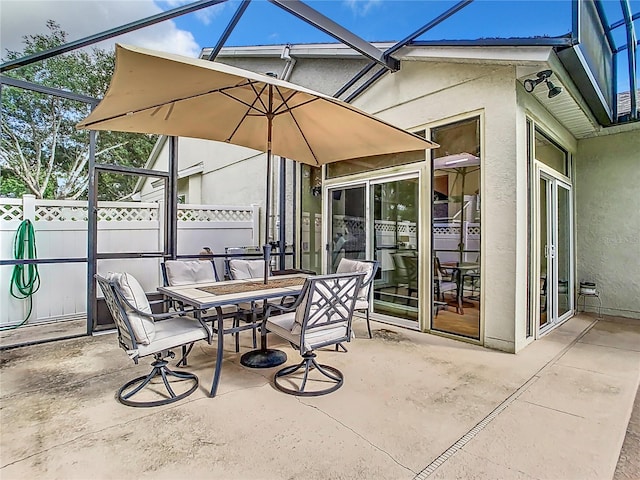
x: 243, y: 268
x: 142, y: 333
x: 369, y: 268
x: 321, y: 316
x: 187, y: 272
x: 184, y: 272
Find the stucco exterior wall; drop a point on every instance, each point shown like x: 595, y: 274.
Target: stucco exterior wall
x: 608, y: 220
x: 425, y: 94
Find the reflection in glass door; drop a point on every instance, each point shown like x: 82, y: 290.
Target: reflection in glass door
x: 394, y: 207
x: 555, y: 241
x: 347, y: 227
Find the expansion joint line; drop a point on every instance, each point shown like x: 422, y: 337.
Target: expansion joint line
x: 358, y: 435
x: 467, y: 437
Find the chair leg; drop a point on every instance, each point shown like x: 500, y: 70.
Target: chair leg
x: 254, y: 322
x: 236, y: 324
x: 185, y: 352
x: 309, y: 363
x: 369, y: 324
x: 125, y: 394
x: 340, y: 345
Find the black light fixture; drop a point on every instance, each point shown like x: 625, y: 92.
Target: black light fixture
x: 542, y: 76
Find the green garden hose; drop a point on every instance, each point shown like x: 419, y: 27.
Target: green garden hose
x: 25, y: 279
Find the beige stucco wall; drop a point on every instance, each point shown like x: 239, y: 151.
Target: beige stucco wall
x: 608, y: 219
x: 424, y: 94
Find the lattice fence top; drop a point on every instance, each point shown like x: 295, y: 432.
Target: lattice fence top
x: 10, y: 212
x: 50, y: 213
x: 214, y: 215
x: 400, y: 227
x: 12, y: 209
x: 128, y: 214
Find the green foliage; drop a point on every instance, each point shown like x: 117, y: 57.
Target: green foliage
x: 41, y: 152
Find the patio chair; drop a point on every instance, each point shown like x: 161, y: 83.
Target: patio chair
x: 370, y: 268
x: 446, y: 280
x: 405, y: 274
x: 251, y: 250
x: 320, y: 317
x: 142, y: 333
x: 244, y: 268
x: 186, y: 272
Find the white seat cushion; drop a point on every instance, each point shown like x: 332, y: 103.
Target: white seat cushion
x: 143, y: 327
x: 361, y: 305
x: 186, y: 272
x: 282, y: 325
x: 174, y: 332
x: 241, y: 269
x: 354, y: 266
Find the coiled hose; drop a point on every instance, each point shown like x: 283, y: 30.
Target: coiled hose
x: 25, y: 279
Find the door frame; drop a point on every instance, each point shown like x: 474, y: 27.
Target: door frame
x: 553, y: 320
x: 375, y: 178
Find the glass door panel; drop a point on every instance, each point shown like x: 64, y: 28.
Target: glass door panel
x: 347, y: 234
x: 394, y: 207
x: 555, y: 240
x: 563, y: 250
x: 545, y: 242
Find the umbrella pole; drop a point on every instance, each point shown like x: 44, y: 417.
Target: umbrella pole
x: 267, y: 246
x: 266, y: 357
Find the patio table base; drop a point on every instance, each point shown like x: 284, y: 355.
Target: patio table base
x: 263, y: 358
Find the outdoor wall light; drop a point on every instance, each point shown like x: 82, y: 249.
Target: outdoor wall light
x: 543, y: 76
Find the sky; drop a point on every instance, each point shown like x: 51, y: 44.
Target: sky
x: 264, y: 23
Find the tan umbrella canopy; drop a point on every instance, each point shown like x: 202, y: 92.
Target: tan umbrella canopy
x: 162, y: 93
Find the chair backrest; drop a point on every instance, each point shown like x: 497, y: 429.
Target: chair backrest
x: 411, y: 266
x: 238, y: 252
x: 368, y: 267
x: 325, y: 309
x: 128, y: 304
x: 438, y: 271
x: 184, y: 272
x: 241, y: 268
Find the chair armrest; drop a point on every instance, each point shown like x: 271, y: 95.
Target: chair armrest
x: 155, y: 316
x: 281, y: 307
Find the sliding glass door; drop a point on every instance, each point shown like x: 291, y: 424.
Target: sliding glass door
x: 378, y: 220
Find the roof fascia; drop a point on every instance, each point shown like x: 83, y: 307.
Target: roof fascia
x: 576, y: 66
x: 518, y: 55
x: 153, y: 156
x: 310, y: 50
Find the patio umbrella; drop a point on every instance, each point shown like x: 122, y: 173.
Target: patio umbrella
x: 161, y: 93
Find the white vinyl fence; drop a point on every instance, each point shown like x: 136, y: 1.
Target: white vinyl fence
x: 61, y: 232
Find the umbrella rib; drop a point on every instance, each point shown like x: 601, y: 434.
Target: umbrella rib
x: 251, y: 106
x: 158, y: 106
x: 290, y: 111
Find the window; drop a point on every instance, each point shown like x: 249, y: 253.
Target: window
x: 456, y: 228
x: 551, y: 154
x: 377, y: 162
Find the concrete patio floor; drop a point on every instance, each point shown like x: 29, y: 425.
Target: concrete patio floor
x: 412, y: 406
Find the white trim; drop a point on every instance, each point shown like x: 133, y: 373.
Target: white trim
x: 309, y: 50
x: 507, y: 55
x: 189, y: 171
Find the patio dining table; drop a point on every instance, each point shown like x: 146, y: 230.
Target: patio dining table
x: 462, y: 270
x: 215, y: 295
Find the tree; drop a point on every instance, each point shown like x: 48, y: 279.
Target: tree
x: 41, y: 152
